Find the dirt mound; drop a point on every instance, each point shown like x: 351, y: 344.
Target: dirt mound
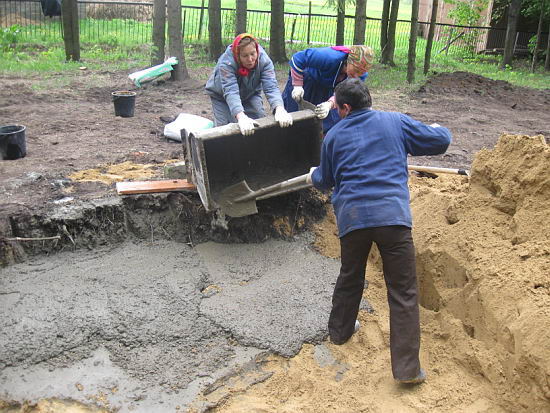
x: 483, y: 250
x: 465, y: 84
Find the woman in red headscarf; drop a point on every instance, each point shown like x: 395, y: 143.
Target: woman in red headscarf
x: 235, y: 86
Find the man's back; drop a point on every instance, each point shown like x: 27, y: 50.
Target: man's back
x: 365, y: 158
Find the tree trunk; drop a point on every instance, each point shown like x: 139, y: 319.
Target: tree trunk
x: 71, y: 34
x: 277, y: 32
x: 340, y: 21
x: 430, y: 41
x: 384, y: 26
x: 411, y: 65
x: 360, y: 21
x: 159, y: 30
x: 175, y: 40
x: 387, y: 54
x: 547, y: 61
x: 215, y: 29
x: 240, y: 21
x: 513, y: 13
x: 538, y: 43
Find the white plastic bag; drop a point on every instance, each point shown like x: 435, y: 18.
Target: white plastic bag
x: 191, y: 123
x: 147, y: 75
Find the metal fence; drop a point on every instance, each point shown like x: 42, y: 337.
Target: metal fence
x: 130, y: 23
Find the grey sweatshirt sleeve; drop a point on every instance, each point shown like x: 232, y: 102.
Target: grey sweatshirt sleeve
x: 230, y: 86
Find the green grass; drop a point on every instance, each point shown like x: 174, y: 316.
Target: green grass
x: 50, y: 60
x: 124, y: 44
x: 37, y: 59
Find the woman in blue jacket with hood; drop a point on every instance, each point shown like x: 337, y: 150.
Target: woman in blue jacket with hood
x: 235, y: 86
x: 315, y: 72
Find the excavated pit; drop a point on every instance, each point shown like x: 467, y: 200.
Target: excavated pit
x: 174, y: 216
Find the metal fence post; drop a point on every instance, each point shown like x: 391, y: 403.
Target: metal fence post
x: 183, y: 24
x: 449, y: 41
x: 309, y: 24
x: 200, y: 19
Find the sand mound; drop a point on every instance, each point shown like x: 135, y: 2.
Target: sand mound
x: 125, y: 171
x: 483, y: 259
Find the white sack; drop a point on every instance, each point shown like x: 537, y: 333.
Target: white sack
x: 191, y: 123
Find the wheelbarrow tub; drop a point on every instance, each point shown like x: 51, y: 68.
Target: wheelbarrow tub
x: 221, y: 157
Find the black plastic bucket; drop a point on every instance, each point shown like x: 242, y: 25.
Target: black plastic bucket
x: 125, y: 102
x: 12, y: 142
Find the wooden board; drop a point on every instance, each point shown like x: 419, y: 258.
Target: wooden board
x: 149, y: 187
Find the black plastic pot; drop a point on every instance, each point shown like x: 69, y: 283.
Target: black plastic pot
x: 125, y: 102
x: 12, y: 142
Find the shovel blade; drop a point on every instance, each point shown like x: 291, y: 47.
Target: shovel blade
x: 229, y: 205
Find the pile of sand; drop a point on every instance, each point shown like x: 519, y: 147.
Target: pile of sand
x: 484, y: 263
x: 483, y: 259
x: 125, y: 171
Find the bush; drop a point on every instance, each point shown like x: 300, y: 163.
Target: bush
x: 9, y: 36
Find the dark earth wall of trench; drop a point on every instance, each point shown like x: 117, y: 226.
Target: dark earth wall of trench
x: 176, y: 216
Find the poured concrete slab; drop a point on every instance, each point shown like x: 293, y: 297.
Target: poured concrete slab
x: 146, y: 327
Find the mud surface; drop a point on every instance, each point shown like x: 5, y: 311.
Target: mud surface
x: 71, y: 124
x: 118, y: 315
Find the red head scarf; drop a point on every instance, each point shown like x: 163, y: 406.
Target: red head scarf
x: 243, y: 71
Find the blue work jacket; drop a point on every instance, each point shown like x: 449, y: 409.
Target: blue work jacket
x: 320, y: 68
x: 364, y: 157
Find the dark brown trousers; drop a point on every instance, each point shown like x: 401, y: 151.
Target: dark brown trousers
x: 396, y: 248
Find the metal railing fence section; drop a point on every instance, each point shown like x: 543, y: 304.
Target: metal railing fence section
x: 130, y: 23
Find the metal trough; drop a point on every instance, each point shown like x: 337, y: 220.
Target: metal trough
x: 221, y: 157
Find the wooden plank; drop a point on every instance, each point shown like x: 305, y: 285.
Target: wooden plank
x: 149, y: 187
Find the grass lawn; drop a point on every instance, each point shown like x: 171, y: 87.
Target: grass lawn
x: 48, y: 60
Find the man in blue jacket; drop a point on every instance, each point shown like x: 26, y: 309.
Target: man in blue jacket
x: 364, y: 157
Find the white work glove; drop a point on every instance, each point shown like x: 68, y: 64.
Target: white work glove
x: 322, y: 109
x: 308, y: 177
x: 246, y: 125
x: 298, y: 93
x: 283, y: 117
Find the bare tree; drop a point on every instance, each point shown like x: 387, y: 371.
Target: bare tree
x: 175, y: 40
x: 384, y: 26
x: 240, y: 20
x: 277, y: 32
x: 360, y: 22
x: 159, y: 28
x: 509, y: 43
x: 411, y: 64
x: 340, y: 21
x: 538, y: 43
x: 71, y: 34
x: 430, y: 40
x: 389, y: 49
x: 215, y: 28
